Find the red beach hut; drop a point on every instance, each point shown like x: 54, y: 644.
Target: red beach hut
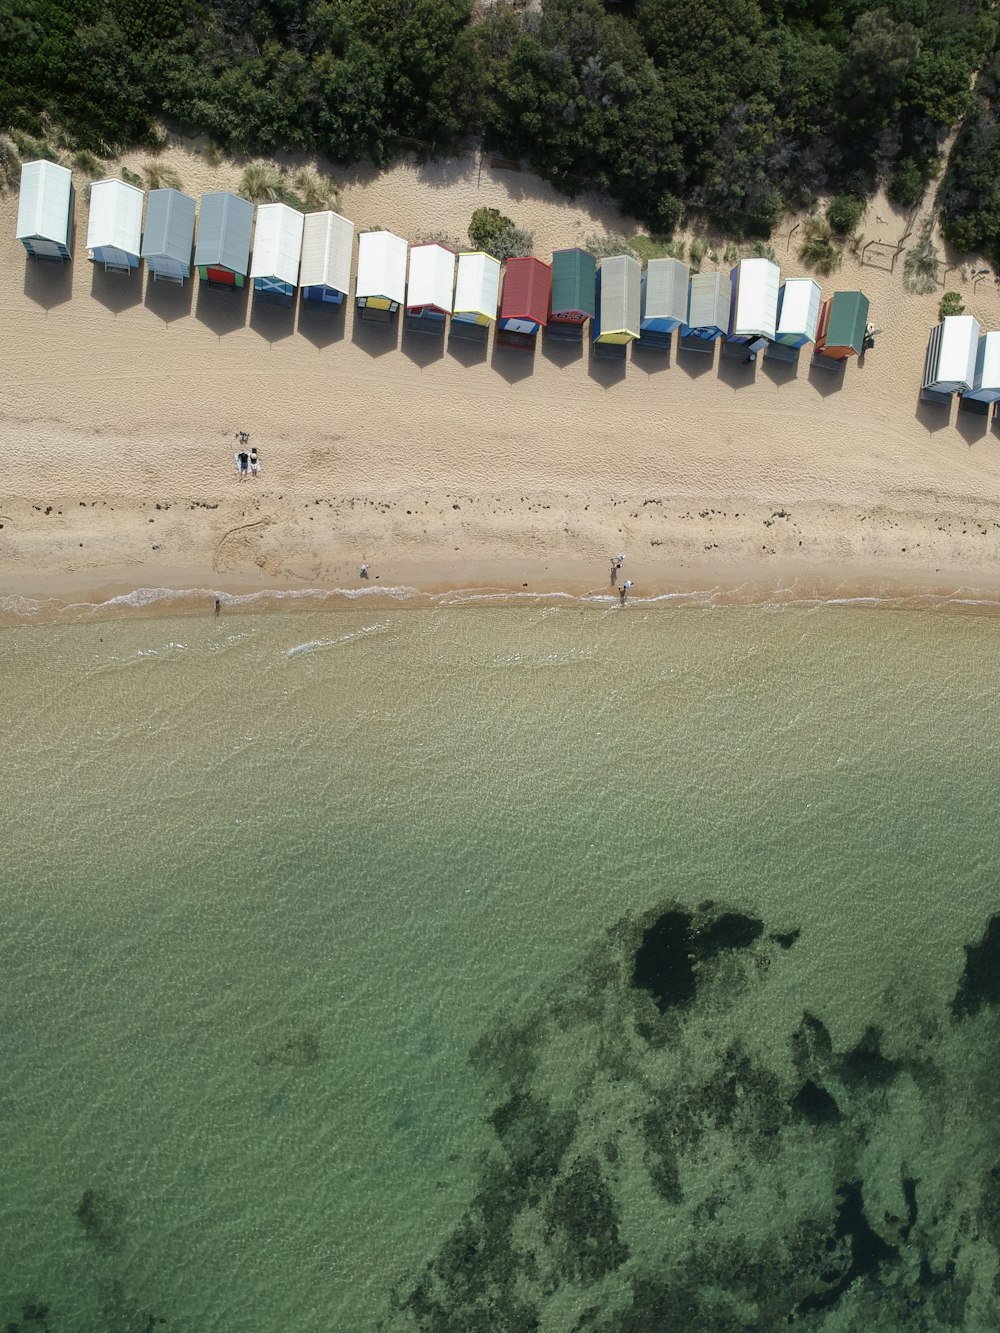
x: 524, y: 307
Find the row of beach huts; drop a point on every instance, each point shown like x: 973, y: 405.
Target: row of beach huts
x: 313, y: 254
x: 962, y: 360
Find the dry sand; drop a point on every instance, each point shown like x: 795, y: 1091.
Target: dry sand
x: 452, y: 468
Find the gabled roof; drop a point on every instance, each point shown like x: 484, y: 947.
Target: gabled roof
x: 327, y: 251
x: 574, y: 280
x: 666, y: 294
x: 382, y: 266
x: 432, y: 276
x: 799, y: 307
x: 224, y: 225
x: 115, y: 216
x: 709, y: 301
x: 169, y: 229
x: 621, y: 279
x: 477, y: 288
x: 527, y: 285
x: 848, y: 320
x: 43, y: 204
x: 957, y: 348
x: 755, y: 297
x: 277, y: 243
x: 987, y: 374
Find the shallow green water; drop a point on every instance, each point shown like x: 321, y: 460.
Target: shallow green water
x: 318, y: 969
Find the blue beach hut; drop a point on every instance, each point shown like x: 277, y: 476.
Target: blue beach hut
x: 45, y: 211
x: 664, y: 302
x: 327, y: 253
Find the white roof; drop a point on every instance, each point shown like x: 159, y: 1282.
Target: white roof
x: 957, y: 348
x: 478, y: 286
x: 277, y: 243
x: 327, y: 251
x: 381, y: 266
x: 432, y: 276
x: 987, y: 375
x: 755, y: 297
x: 115, y: 217
x: 43, y: 205
x: 799, y: 307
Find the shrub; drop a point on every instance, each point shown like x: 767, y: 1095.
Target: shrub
x: 88, y: 163
x: 820, y: 251
x: 951, y: 304
x: 10, y: 164
x: 158, y: 176
x: 731, y: 253
x: 497, y: 235
x: 645, y: 248
x: 668, y: 214
x: 317, y: 192
x: 31, y: 148
x: 920, y: 267
x: 130, y: 177
x: 604, y: 245
x: 844, y: 213
x: 761, y: 250
x: 697, y: 251
x: 262, y: 183
x: 906, y: 184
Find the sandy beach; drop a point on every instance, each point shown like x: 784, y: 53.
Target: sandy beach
x: 450, y: 468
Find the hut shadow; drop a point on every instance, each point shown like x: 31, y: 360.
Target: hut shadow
x: 737, y: 374
x: 116, y: 291
x: 221, y: 311
x: 513, y: 363
x: 973, y: 420
x: 607, y: 371
x: 651, y: 360
x: 468, y: 351
x: 933, y: 416
x: 423, y: 348
x: 780, y: 372
x: 321, y: 324
x: 373, y: 337
x: 47, y: 283
x: 272, y: 320
x: 827, y: 380
x: 561, y: 351
x: 168, y: 300
x: 695, y: 362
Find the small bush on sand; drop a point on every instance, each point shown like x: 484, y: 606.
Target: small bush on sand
x: 697, y: 251
x: 645, y: 249
x: 158, y: 176
x: 607, y: 244
x: 10, y: 164
x: 761, y: 250
x: 731, y: 253
x: 130, y: 177
x: 920, y: 267
x: 820, y: 250
x: 951, y: 304
x: 497, y: 235
x: 31, y: 149
x: 88, y: 163
x: 844, y: 213
x: 262, y: 183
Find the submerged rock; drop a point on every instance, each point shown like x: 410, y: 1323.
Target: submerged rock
x: 980, y: 982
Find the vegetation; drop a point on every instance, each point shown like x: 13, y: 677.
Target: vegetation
x: 497, y: 235
x: 157, y: 176
x: 697, y: 251
x: 951, y: 304
x: 605, y: 245
x: 844, y: 212
x: 262, y: 183
x: 821, y: 251
x: 732, y: 110
x: 920, y: 267
x: 645, y: 249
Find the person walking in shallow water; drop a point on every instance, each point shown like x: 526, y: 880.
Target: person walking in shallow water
x: 623, y: 594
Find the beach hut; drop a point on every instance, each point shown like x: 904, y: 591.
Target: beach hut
x: 327, y: 252
x: 753, y: 314
x: 45, y: 210
x: 381, y: 285
x: 619, y: 297
x: 574, y: 286
x: 430, y: 288
x: 952, y: 352
x: 664, y: 302
x: 524, y: 306
x: 843, y: 320
x: 709, y: 300
x: 798, y: 312
x: 477, y: 295
x: 986, y: 376
x: 277, y: 250
x: 168, y: 235
x: 114, y: 228
x: 222, y: 250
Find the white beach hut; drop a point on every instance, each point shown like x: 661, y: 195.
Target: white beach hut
x: 114, y: 228
x: 664, y: 302
x: 277, y: 250
x: 327, y: 253
x: 477, y: 289
x: 168, y: 236
x: 430, y: 287
x: 381, y: 285
x: 45, y: 210
x: 798, y: 312
x: 986, y: 377
x: 754, y: 309
x: 950, y: 365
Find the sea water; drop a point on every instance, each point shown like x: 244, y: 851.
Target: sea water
x: 500, y: 969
